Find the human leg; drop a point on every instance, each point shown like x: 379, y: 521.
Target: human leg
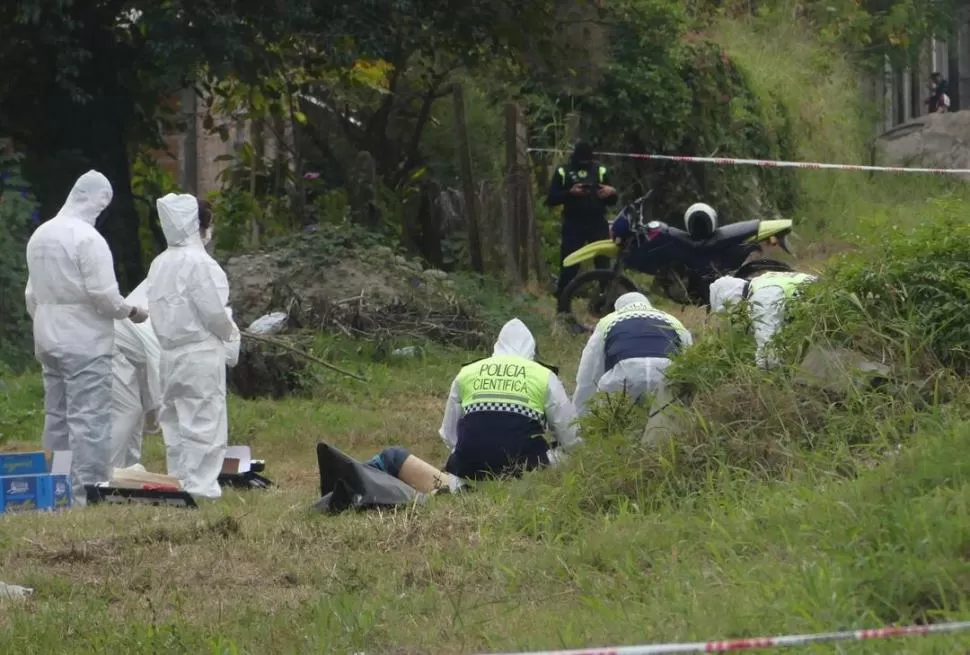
x: 56, y: 435
x: 88, y: 384
x: 196, y: 392
x: 571, y: 240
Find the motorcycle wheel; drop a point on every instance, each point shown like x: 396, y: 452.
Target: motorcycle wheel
x: 602, y: 286
x: 763, y: 265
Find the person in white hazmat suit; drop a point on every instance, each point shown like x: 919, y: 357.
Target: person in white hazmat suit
x: 629, y: 351
x: 72, y: 296
x: 499, y: 408
x: 188, y: 295
x: 767, y: 296
x: 137, y: 388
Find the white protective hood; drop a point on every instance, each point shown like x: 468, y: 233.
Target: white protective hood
x: 179, y: 215
x: 89, y: 196
x: 726, y: 290
x: 632, y: 298
x: 515, y: 339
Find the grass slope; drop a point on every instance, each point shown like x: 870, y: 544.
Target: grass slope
x: 533, y: 564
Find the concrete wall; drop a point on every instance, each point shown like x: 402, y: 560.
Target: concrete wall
x: 197, y: 169
x: 900, y: 93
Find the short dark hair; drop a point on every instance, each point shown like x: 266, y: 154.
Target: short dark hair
x: 205, y: 215
x: 935, y: 75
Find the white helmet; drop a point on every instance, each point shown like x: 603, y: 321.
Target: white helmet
x: 700, y: 220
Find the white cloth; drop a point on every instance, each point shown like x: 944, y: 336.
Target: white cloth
x: 634, y: 376
x: 137, y: 389
x: 726, y: 291
x: 72, y: 296
x: 766, y: 309
x: 516, y: 339
x: 188, y: 296
x: 72, y: 293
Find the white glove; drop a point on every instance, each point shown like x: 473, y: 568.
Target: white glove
x: 138, y: 315
x: 232, y: 348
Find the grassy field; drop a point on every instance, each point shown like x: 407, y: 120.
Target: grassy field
x: 599, y: 552
x: 777, y: 512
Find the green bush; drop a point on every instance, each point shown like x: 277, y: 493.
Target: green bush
x: 18, y: 209
x: 901, y: 298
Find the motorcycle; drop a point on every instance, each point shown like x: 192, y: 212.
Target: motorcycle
x: 683, y: 265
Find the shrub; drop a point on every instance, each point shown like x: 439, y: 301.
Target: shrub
x: 18, y: 209
x: 900, y: 299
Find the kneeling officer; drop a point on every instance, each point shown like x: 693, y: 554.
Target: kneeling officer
x: 499, y: 408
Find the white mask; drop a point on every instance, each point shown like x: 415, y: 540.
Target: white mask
x: 207, y: 236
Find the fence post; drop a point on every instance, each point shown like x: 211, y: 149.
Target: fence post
x: 467, y: 181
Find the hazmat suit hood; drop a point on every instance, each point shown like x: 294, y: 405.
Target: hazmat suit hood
x: 726, y: 290
x: 89, y: 196
x: 515, y: 339
x: 179, y: 215
x: 632, y: 298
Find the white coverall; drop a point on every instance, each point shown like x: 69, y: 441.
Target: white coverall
x: 137, y: 388
x: 72, y: 296
x: 635, y: 375
x: 766, y: 309
x: 516, y: 339
x: 187, y: 295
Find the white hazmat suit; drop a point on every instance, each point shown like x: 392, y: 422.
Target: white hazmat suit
x: 188, y: 295
x: 766, y: 303
x: 628, y: 351
x: 72, y: 296
x: 137, y: 388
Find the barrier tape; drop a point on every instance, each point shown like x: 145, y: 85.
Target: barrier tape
x: 763, y: 642
x: 768, y: 163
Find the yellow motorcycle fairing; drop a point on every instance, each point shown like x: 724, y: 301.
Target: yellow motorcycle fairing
x: 604, y: 248
x: 768, y: 229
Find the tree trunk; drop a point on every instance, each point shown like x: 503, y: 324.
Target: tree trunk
x: 468, y: 182
x: 512, y: 194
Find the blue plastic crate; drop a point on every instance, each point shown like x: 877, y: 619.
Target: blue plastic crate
x: 34, y: 463
x: 19, y: 493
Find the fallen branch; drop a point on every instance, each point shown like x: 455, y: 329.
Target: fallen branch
x: 297, y: 351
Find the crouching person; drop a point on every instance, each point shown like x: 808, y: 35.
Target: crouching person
x: 496, y: 417
x: 767, y: 296
x: 629, y: 351
x: 499, y: 409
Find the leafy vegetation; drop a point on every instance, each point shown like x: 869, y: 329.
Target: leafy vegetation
x: 18, y: 212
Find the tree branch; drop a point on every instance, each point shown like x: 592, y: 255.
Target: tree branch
x: 433, y: 93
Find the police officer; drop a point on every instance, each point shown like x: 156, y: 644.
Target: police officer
x: 498, y: 410
x: 767, y: 296
x: 629, y: 350
x: 582, y: 188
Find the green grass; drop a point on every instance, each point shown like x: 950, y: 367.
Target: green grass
x: 778, y: 510
x: 599, y: 552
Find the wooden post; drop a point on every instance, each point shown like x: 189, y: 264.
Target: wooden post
x: 572, y: 127
x: 467, y: 181
x: 512, y: 193
x: 525, y: 219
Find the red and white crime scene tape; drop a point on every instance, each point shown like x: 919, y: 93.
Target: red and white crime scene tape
x: 768, y: 163
x: 763, y: 642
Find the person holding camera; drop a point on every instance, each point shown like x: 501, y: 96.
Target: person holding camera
x: 582, y: 188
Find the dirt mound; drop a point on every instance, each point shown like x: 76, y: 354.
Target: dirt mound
x: 324, y: 282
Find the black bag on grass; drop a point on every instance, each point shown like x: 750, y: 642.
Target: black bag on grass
x: 347, y: 484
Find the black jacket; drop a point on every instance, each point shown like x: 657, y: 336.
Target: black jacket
x: 581, y: 208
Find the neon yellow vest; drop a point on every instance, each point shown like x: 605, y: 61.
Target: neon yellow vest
x: 504, y: 383
x: 602, y: 173
x: 788, y: 282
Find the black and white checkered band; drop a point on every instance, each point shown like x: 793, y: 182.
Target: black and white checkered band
x: 623, y: 316
x: 511, y: 408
